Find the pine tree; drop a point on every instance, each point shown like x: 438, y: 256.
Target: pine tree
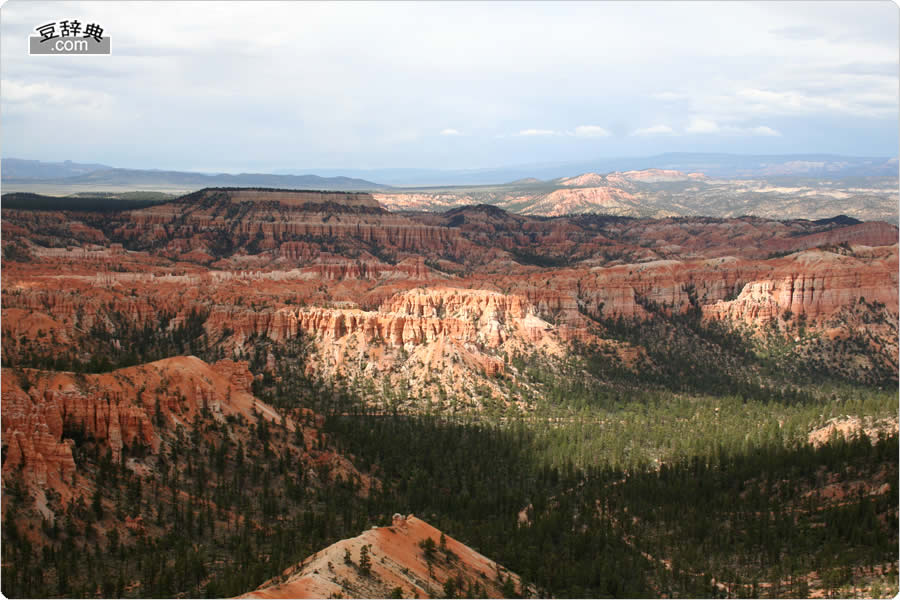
x: 365, y: 563
x: 428, y: 546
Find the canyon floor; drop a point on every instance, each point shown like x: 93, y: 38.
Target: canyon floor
x: 224, y: 392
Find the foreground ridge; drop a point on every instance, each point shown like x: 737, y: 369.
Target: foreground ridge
x: 409, y: 557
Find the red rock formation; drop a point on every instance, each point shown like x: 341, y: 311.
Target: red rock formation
x: 354, y: 277
x: 584, y: 180
x: 867, y: 234
x: 397, y: 560
x: 414, y: 317
x: 115, y: 409
x: 815, y: 284
x: 607, y: 200
x: 32, y: 433
x: 277, y: 218
x: 237, y: 372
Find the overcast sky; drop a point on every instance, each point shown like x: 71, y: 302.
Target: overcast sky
x: 259, y: 86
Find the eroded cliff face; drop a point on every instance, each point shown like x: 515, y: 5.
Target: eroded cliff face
x: 205, y: 225
x: 234, y: 230
x: 340, y: 269
x: 813, y: 284
x: 429, y: 297
x: 413, y: 317
x: 44, y: 412
x: 607, y: 199
x: 47, y: 414
x: 448, y: 338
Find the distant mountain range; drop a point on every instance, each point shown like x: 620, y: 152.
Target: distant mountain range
x: 98, y: 177
x: 711, y: 165
x: 17, y: 168
x: 21, y: 173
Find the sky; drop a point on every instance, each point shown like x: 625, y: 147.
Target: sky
x: 265, y: 86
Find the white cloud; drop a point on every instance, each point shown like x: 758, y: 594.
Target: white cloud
x: 698, y: 125
x: 788, y: 102
x: 848, y: 95
x: 534, y: 132
x: 654, y: 130
x: 450, y: 131
x: 53, y: 95
x: 763, y: 130
x: 591, y: 131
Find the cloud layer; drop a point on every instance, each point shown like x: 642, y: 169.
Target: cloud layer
x: 311, y: 85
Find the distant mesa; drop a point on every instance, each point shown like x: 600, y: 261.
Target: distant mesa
x: 592, y: 179
x: 660, y: 175
x: 291, y: 198
x: 841, y: 220
x: 96, y: 177
x: 487, y: 209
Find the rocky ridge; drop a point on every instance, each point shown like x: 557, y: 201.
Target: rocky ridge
x: 398, y: 560
x: 442, y: 298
